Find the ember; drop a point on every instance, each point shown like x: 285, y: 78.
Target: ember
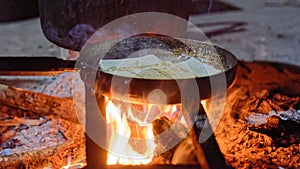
x: 260, y: 125
x: 26, y: 139
x: 33, y: 137
x: 44, y: 144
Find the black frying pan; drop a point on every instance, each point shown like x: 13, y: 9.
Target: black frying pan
x: 139, y: 88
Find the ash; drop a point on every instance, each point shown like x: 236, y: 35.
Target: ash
x: 259, y: 118
x: 33, y: 138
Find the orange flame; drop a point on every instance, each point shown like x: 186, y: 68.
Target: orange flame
x: 206, y: 105
x: 120, y: 136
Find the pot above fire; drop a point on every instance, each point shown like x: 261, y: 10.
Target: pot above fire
x: 138, y: 88
x: 147, y: 88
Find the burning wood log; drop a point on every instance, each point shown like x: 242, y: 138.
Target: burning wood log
x: 163, y: 155
x: 20, y: 121
x: 37, y: 102
x: 54, y: 143
x: 33, y: 129
x: 7, y: 135
x: 182, y: 152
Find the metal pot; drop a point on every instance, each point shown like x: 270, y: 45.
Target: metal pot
x: 69, y: 23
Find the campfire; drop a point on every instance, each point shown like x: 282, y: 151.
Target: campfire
x: 272, y: 129
x: 259, y: 127
x: 140, y: 131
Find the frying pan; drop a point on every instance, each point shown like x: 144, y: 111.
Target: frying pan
x: 138, y: 88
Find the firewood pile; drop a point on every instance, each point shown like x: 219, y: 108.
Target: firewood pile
x: 260, y: 127
x: 38, y: 124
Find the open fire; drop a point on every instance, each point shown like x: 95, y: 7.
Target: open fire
x: 136, y: 132
x: 131, y: 136
x: 130, y: 143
